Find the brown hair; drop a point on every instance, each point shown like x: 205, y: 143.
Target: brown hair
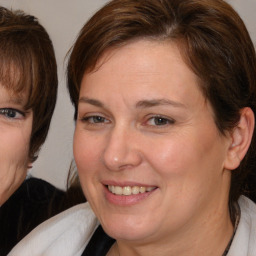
x: 213, y: 41
x: 27, y: 64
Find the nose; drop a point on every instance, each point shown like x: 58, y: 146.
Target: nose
x: 121, y: 151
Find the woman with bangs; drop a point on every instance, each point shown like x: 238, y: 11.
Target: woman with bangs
x: 28, y: 89
x: 165, y: 101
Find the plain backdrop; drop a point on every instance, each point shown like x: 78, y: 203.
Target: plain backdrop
x: 63, y: 19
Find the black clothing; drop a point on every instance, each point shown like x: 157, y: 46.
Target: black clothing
x: 99, y: 244
x: 34, y: 202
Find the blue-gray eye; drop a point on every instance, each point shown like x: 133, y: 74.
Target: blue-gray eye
x: 98, y: 119
x: 11, y: 113
x: 94, y: 119
x: 157, y: 120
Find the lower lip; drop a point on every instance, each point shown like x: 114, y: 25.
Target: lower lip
x: 126, y: 200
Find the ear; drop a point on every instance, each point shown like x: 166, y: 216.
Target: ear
x: 241, y: 137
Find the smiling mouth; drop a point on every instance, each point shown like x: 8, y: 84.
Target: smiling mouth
x: 128, y: 190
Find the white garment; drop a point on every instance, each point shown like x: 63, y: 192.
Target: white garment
x: 65, y: 234
x: 68, y: 233
x: 244, y: 242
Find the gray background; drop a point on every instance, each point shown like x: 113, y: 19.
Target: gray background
x: 63, y: 20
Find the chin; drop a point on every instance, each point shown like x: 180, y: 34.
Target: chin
x: 128, y: 229
x: 127, y: 235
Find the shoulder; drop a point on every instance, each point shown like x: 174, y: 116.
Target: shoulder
x: 39, y: 190
x: 65, y: 234
x: 34, y: 190
x: 244, y: 240
x: 32, y: 203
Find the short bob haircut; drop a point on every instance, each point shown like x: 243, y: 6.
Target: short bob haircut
x: 28, y: 66
x: 213, y: 41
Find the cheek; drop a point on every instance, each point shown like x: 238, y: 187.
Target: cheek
x: 87, y: 157
x: 86, y: 154
x: 187, y: 161
x: 176, y: 169
x: 15, y: 147
x: 171, y: 156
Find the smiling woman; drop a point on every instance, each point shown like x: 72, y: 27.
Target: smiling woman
x: 164, y: 142
x: 156, y: 135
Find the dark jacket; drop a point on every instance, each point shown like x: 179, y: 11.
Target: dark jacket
x: 34, y: 202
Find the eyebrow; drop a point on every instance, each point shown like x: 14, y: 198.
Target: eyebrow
x: 139, y: 104
x: 91, y: 101
x: 158, y: 102
x: 14, y: 100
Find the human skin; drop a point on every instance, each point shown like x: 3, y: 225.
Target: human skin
x: 15, y: 132
x: 143, y: 122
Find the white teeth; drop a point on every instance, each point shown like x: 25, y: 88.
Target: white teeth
x: 118, y: 190
x: 142, y: 189
x: 135, y: 190
x: 127, y: 190
x: 111, y: 188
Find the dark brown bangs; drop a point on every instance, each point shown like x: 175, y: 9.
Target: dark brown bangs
x: 16, y: 68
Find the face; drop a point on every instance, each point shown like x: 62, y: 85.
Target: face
x: 150, y: 158
x: 15, y: 132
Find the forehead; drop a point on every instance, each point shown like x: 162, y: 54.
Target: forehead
x: 141, y: 63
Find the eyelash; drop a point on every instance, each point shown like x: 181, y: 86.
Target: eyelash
x: 12, y: 113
